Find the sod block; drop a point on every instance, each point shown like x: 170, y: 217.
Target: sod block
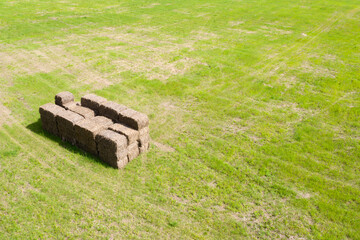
x: 111, y: 110
x: 86, y: 130
x: 144, y: 131
x: 92, y: 101
x: 64, y: 98
x: 144, y: 148
x: 48, y: 113
x: 83, y: 111
x: 65, y: 122
x: 130, y: 134
x: 144, y: 139
x: 133, y: 151
x: 133, y: 119
x: 112, y: 148
x: 104, y: 121
x: 70, y: 105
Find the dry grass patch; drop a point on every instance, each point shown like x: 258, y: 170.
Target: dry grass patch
x: 45, y: 60
x: 151, y: 5
x: 262, y: 218
x: 4, y: 115
x: 242, y: 31
x: 163, y: 147
x: 235, y: 23
x: 157, y: 57
x: 317, y: 71
x: 133, y: 49
x: 275, y: 31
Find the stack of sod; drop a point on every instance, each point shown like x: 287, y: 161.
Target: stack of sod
x: 114, y: 132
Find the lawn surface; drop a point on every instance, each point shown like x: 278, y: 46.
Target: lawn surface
x: 254, y: 110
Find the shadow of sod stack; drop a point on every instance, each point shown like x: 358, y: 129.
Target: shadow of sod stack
x: 114, y: 132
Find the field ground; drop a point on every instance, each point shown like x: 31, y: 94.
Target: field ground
x: 254, y: 109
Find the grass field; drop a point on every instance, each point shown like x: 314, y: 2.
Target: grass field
x: 254, y: 110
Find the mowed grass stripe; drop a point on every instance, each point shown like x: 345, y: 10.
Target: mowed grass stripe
x: 253, y: 108
x: 91, y: 176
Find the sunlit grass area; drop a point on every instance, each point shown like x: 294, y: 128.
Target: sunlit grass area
x: 254, y: 111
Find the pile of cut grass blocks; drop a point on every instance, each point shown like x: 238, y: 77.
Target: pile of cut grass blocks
x: 114, y: 132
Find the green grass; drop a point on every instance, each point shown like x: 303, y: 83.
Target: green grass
x: 256, y: 102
